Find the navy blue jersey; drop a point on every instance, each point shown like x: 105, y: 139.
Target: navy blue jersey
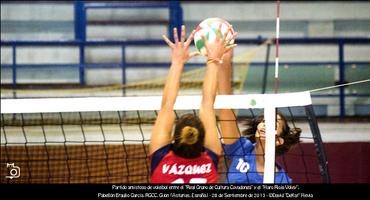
x: 243, y: 164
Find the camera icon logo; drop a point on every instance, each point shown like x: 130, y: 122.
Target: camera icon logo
x: 14, y: 171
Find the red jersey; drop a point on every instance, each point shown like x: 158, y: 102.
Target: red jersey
x: 170, y: 168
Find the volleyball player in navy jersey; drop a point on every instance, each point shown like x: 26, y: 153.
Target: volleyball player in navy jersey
x: 246, y: 150
x: 191, y: 154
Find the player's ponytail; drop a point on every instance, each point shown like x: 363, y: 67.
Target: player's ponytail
x: 188, y: 136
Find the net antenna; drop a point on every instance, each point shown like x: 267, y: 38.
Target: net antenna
x: 270, y: 114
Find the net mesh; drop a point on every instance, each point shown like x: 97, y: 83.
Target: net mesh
x: 112, y: 146
x: 81, y: 147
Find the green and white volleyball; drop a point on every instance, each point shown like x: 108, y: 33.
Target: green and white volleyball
x: 209, y: 28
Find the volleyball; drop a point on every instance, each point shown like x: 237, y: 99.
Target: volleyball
x: 209, y: 28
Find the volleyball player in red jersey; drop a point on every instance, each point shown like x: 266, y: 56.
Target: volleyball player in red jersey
x: 191, y: 154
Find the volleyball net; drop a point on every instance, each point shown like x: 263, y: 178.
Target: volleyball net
x: 105, y: 139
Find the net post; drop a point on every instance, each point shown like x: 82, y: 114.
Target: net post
x: 269, y: 170
x: 276, y: 83
x: 323, y: 163
x: 266, y: 68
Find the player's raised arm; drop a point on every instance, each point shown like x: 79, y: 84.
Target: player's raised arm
x: 215, y: 51
x: 229, y: 127
x: 161, y: 134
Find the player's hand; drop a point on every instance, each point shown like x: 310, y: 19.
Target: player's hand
x: 217, y: 49
x: 180, y: 49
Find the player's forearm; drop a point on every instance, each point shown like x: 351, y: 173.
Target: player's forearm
x: 224, y: 87
x: 172, y: 84
x: 210, y: 85
x: 224, y: 80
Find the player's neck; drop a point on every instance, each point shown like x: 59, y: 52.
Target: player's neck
x: 260, y: 157
x: 260, y: 153
x: 260, y: 147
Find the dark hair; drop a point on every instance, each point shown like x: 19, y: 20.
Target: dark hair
x: 189, y: 136
x: 290, y: 135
